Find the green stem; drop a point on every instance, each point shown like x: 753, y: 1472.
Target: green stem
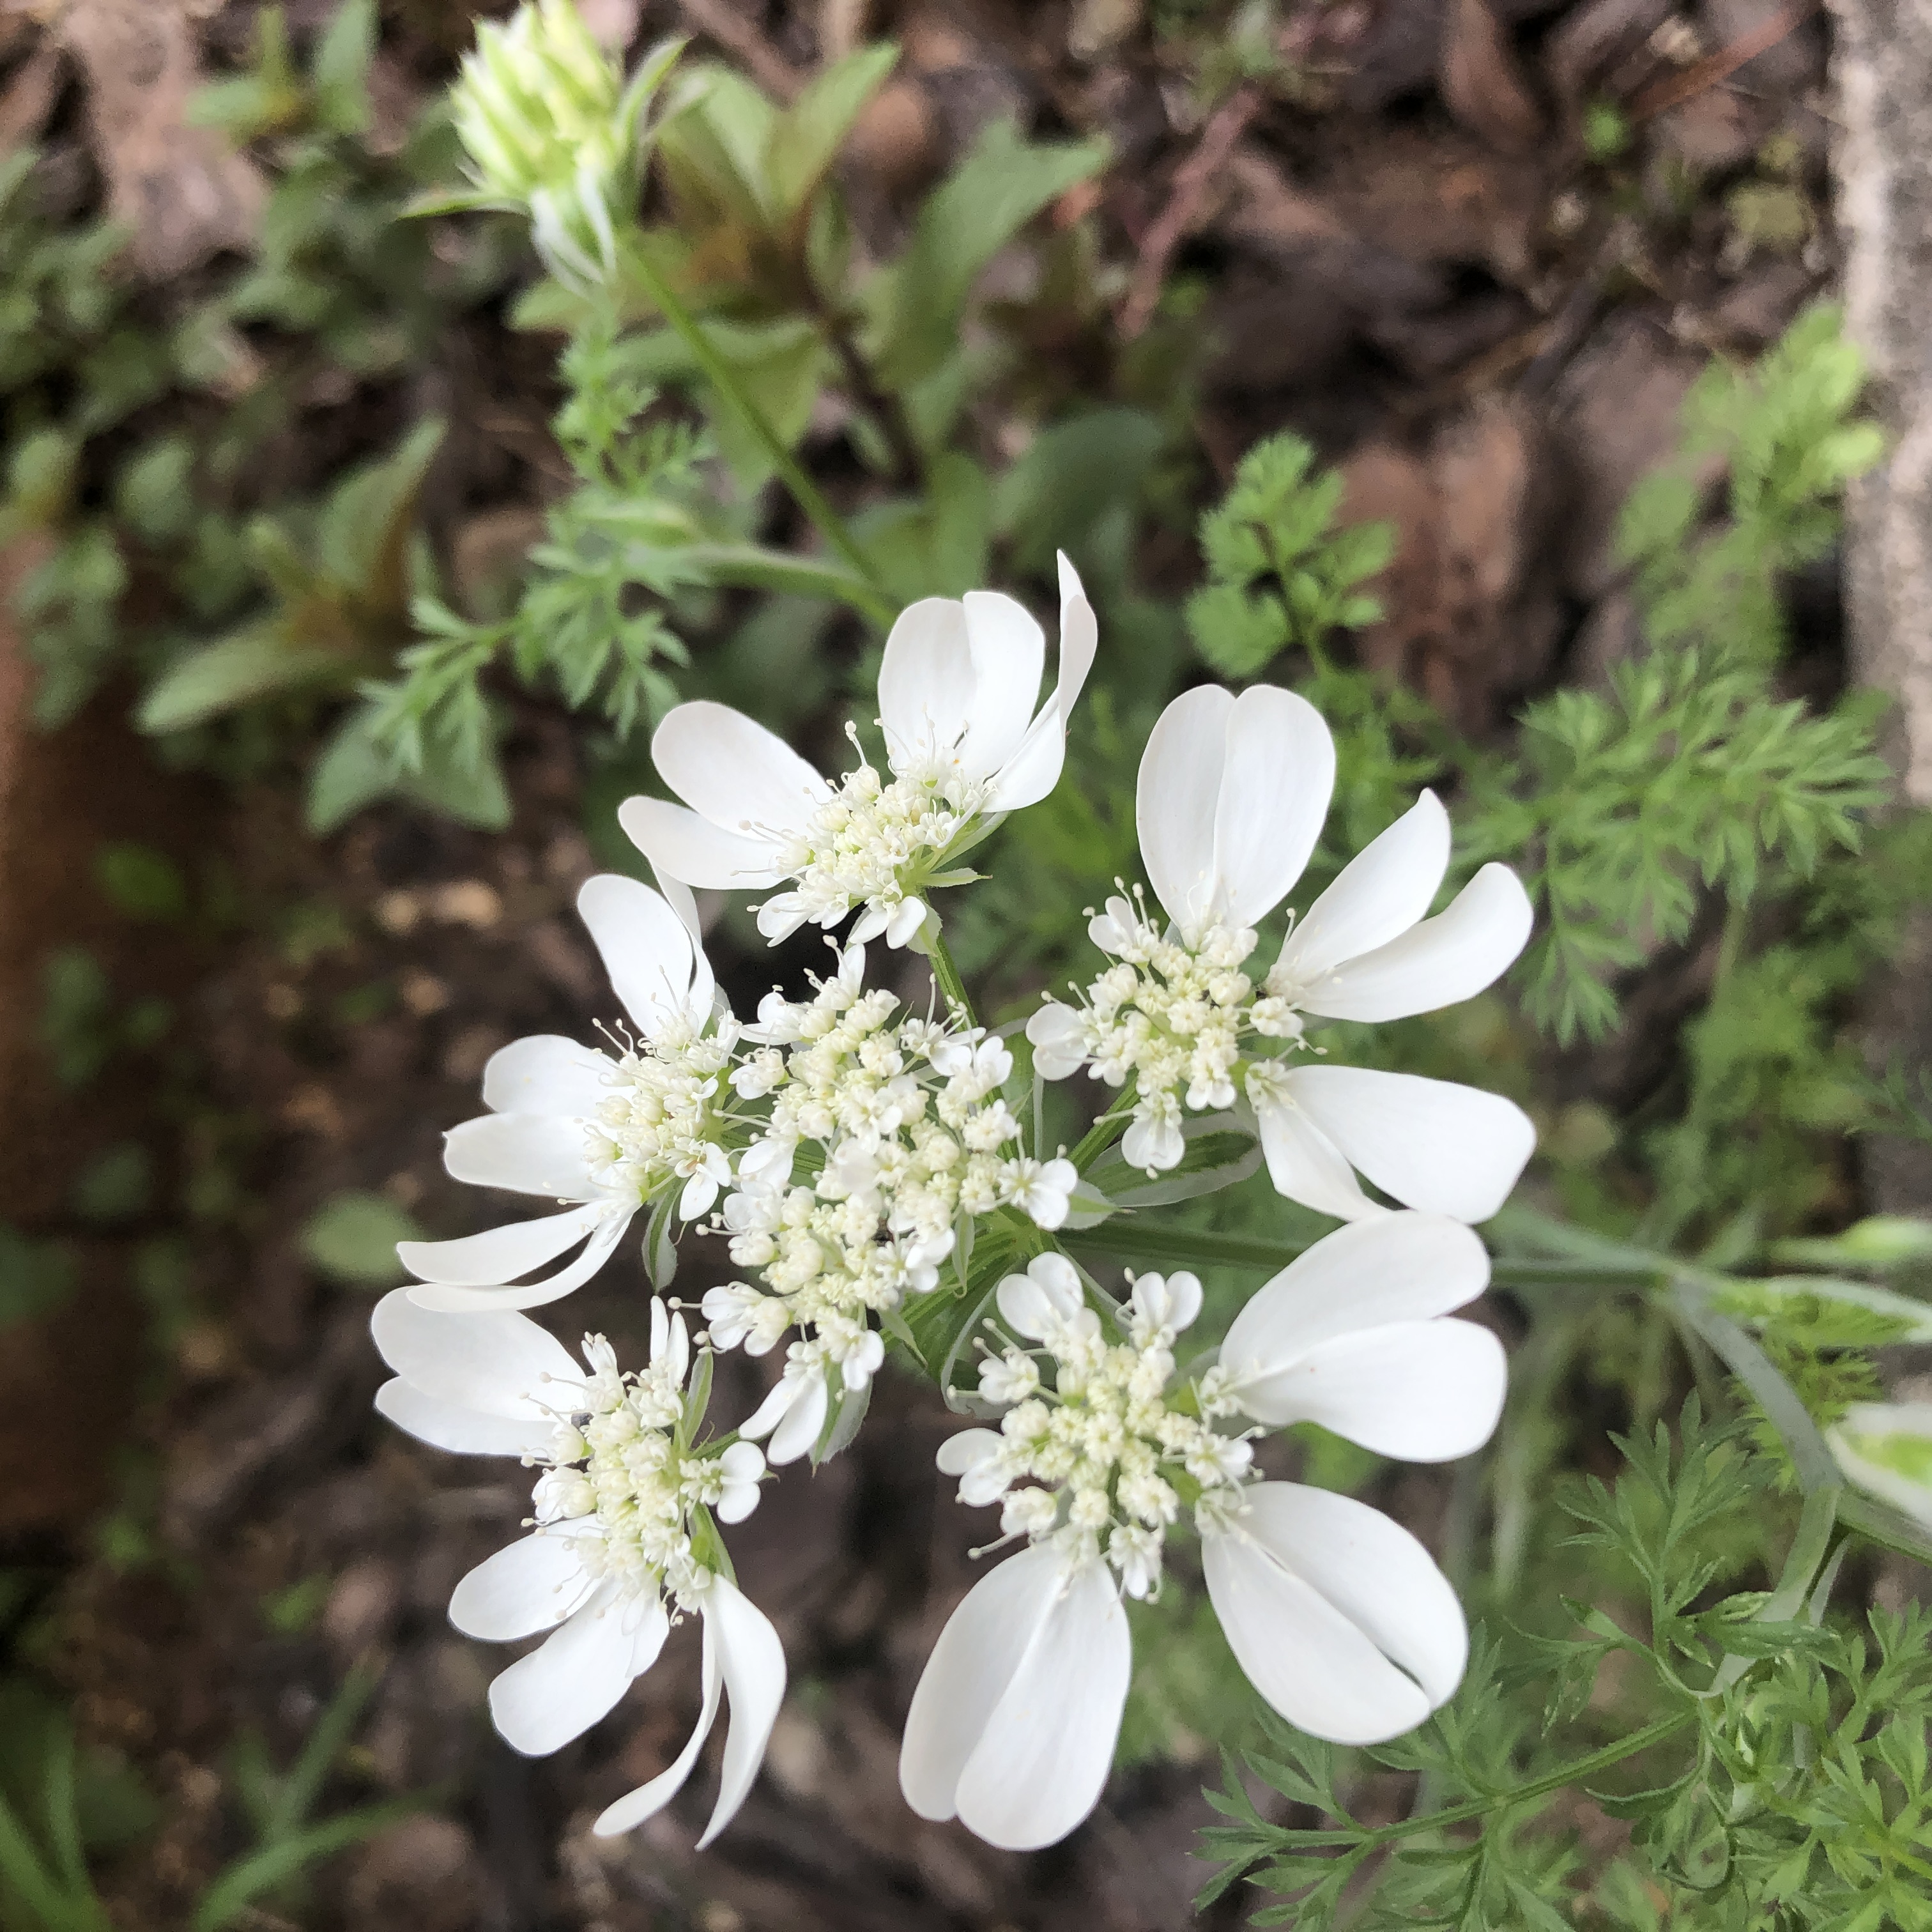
x: 946, y: 975
x: 1572, y: 1773
x: 723, y: 378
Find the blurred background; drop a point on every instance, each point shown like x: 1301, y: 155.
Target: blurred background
x: 348, y: 557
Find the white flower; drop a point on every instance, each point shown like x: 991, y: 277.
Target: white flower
x: 1231, y: 795
x: 1339, y: 1617
x: 734, y: 1313
x: 611, y: 1558
x: 956, y: 694
x: 611, y: 1134
x: 1042, y: 1188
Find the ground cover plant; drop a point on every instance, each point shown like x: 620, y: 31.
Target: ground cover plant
x: 1220, y: 1257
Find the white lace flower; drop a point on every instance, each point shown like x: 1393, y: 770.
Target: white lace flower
x: 908, y: 1140
x: 613, y: 1133
x: 623, y: 1538
x: 1231, y: 795
x: 956, y: 694
x: 1338, y: 1615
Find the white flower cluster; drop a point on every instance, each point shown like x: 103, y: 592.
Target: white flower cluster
x: 909, y: 1139
x: 1170, y: 1017
x: 662, y: 1120
x: 622, y: 1540
x: 1113, y: 1444
x: 621, y: 1479
x: 877, y: 844
x: 1231, y: 797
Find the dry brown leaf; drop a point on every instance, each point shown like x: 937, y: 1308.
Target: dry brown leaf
x: 183, y: 193
x: 1482, y: 84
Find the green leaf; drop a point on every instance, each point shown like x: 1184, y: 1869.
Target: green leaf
x: 351, y: 773
x: 339, y: 70
x: 1069, y: 477
x: 243, y: 669
x: 807, y: 138
x: 36, y: 1277
x: 247, y: 1878
x: 1000, y: 186
x: 351, y: 1239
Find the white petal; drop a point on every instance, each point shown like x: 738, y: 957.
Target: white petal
x: 576, y: 1677
x: 454, y: 1426
x: 1041, y: 1762
x: 532, y: 1153
x: 451, y: 1299
x: 533, y: 1584
x: 971, y: 1665
x: 1433, y: 1144
x: 1276, y: 782
x: 682, y: 845
x: 547, y: 1074
x: 1316, y: 1593
x: 926, y: 678
x: 1378, y: 895
x: 1466, y: 947
x: 753, y: 1663
x: 1033, y: 770
x: 1008, y: 651
x: 1174, y: 801
x: 1420, y: 1391
x: 648, y: 1800
x: 498, y: 1363
x: 969, y: 1448
x: 1304, y: 1164
x: 655, y: 969
x: 803, y: 1420
x: 498, y: 1256
x: 1389, y: 1267
x: 734, y: 772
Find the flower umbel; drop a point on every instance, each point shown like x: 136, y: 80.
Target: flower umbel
x: 908, y: 1139
x: 623, y: 1537
x: 645, y: 1130
x: 1231, y: 795
x: 1338, y: 1616
x: 964, y: 747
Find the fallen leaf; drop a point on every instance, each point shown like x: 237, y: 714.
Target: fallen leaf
x: 182, y: 192
x: 1482, y: 85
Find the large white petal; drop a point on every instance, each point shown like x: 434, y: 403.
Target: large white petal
x: 1452, y: 957
x: 456, y: 1427
x: 729, y: 769
x: 530, y: 1154
x: 531, y: 1585
x: 451, y: 1298
x: 1305, y: 1165
x: 1381, y: 892
x: 1389, y: 1267
x: 1041, y: 1762
x: 803, y: 1421
x: 753, y: 1662
x: 655, y: 969
x: 648, y: 1799
x: 1008, y: 651
x: 1175, y: 800
x: 1034, y: 769
x: 1433, y: 1144
x: 974, y: 1660
x: 926, y: 678
x: 1419, y: 1391
x: 575, y: 1677
x: 498, y: 1256
x: 544, y: 1073
x: 1276, y: 783
x: 1374, y: 1572
x: 687, y: 846
x: 1317, y: 1593
x: 500, y: 1363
